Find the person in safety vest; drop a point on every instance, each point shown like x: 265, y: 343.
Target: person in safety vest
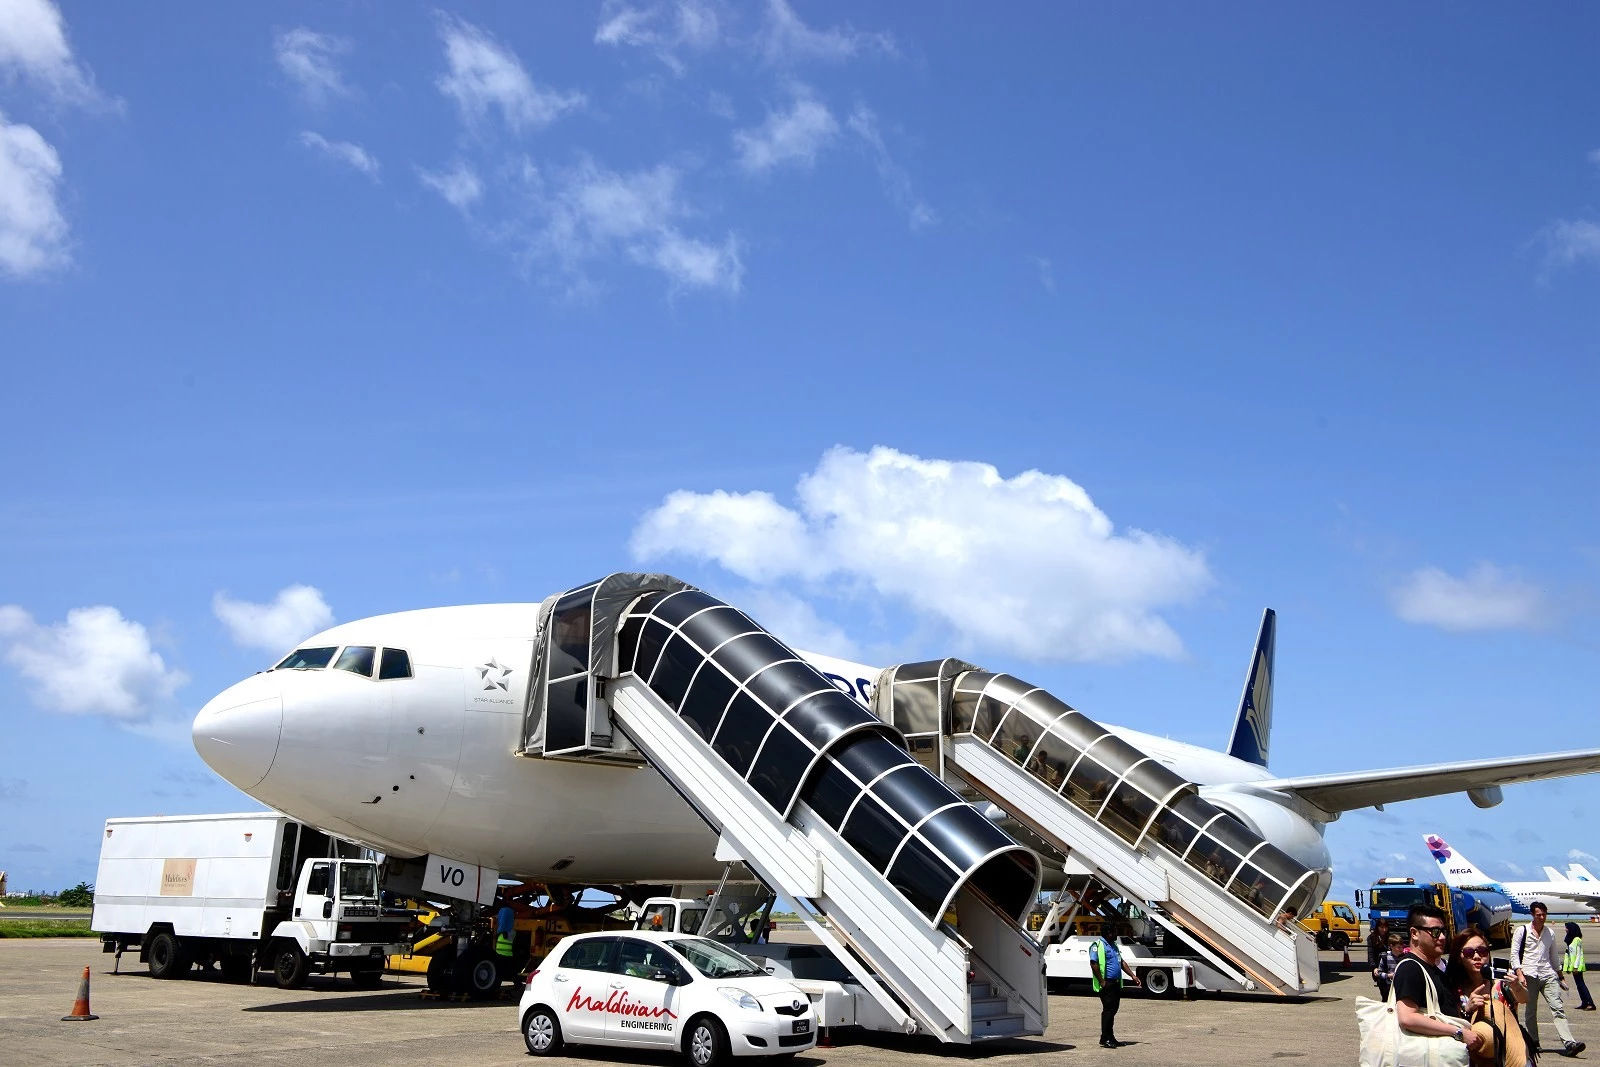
x: 1105, y: 968
x: 1574, y: 964
x: 505, y: 938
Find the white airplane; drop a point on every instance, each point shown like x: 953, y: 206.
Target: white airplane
x: 403, y: 731
x: 1577, y: 872
x: 1563, y: 897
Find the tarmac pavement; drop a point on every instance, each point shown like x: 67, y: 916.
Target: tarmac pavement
x: 204, y: 1020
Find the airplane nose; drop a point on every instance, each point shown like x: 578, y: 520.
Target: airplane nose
x: 238, y: 736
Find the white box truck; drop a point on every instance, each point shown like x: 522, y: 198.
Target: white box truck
x: 246, y: 892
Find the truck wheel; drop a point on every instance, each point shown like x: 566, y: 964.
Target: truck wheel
x: 541, y: 1032
x: 706, y: 1045
x: 1341, y: 941
x: 166, y: 957
x: 1158, y: 981
x: 238, y: 968
x: 290, y: 966
x: 482, y: 977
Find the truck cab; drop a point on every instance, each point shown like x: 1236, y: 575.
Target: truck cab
x: 1334, y: 924
x: 336, y: 924
x: 685, y: 915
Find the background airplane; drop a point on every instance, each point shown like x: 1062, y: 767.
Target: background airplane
x: 1566, y: 898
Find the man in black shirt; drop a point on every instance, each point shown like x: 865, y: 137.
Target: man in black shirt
x: 1428, y: 939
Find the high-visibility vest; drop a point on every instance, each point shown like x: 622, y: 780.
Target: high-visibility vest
x: 1097, y: 952
x: 1574, y: 960
x: 503, y: 945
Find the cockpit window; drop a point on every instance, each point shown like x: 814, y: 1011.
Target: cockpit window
x: 306, y: 659
x: 396, y: 664
x: 357, y: 659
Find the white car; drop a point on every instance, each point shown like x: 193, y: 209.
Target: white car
x: 642, y: 989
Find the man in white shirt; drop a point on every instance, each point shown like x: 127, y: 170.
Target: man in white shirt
x: 1533, y: 956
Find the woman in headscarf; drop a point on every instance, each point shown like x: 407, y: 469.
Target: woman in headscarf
x: 1572, y: 963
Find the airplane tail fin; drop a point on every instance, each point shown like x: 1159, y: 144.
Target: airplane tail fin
x: 1556, y: 876
x: 1252, y: 727
x: 1456, y: 868
x: 1579, y: 873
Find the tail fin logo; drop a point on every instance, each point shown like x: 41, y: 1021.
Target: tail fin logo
x: 1437, y: 846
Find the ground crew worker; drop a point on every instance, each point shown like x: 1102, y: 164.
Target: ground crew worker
x: 505, y: 939
x: 1105, y: 968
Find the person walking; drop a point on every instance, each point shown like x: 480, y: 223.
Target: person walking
x: 1420, y: 968
x: 1387, y: 963
x: 1574, y: 964
x: 1105, y: 968
x: 1533, y: 955
x: 1377, y: 945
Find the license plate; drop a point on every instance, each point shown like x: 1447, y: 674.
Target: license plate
x: 802, y: 1026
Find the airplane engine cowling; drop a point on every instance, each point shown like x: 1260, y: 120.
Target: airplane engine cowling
x: 1486, y: 797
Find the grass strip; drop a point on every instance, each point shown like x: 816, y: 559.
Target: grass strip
x: 45, y: 928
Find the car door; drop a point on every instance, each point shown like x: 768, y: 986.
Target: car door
x: 580, y: 987
x: 646, y: 996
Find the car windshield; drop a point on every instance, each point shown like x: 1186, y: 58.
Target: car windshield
x: 358, y: 881
x: 306, y: 659
x: 716, y: 961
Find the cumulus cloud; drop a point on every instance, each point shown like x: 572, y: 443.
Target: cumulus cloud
x: 1578, y: 855
x: 796, y: 622
x: 587, y: 212
x: 663, y: 29
x: 1024, y: 565
x: 297, y: 610
x: 792, y: 136
x: 459, y: 185
x: 311, y: 61
x: 1484, y: 599
x: 33, y: 45
x: 342, y: 152
x: 896, y: 182
x: 94, y: 663
x: 1571, y: 241
x: 33, y: 231
x: 485, y: 76
x: 786, y: 39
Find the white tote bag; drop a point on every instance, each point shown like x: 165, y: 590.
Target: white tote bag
x: 1384, y: 1044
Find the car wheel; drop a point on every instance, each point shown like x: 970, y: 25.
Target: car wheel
x: 541, y: 1032
x: 706, y: 1044
x: 290, y: 966
x: 1158, y: 980
x: 1341, y: 941
x: 166, y: 957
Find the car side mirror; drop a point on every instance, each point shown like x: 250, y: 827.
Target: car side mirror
x: 327, y: 909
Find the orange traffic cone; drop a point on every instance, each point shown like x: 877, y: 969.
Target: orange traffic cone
x: 1346, y: 958
x: 80, y: 1007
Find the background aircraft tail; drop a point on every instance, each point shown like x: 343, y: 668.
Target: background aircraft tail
x: 1579, y: 873
x: 1556, y: 876
x: 1252, y: 727
x: 1456, y: 868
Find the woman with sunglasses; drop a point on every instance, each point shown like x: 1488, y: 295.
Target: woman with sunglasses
x: 1489, y: 1001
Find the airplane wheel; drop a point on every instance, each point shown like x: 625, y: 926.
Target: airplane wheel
x: 483, y: 977
x: 290, y: 966
x: 166, y: 957
x: 1158, y: 981
x: 1341, y: 941
x: 541, y: 1032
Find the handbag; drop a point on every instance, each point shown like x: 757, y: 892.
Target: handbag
x: 1385, y: 1044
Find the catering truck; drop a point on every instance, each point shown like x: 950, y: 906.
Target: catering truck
x: 246, y: 892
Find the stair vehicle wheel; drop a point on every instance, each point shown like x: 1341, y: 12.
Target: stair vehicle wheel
x: 482, y: 977
x: 166, y: 957
x: 706, y: 1044
x: 1341, y: 941
x: 441, y: 972
x: 290, y: 966
x: 541, y: 1032
x: 238, y: 968
x: 1157, y: 981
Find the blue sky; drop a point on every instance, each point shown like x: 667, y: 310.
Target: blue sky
x: 310, y: 314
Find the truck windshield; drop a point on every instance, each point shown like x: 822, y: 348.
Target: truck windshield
x: 716, y: 961
x: 1390, y: 897
x: 358, y: 881
x: 721, y: 925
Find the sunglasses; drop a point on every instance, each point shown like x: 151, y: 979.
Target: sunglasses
x: 1474, y: 952
x: 1431, y: 931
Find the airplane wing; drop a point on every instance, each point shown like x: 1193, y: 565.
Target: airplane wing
x: 1349, y: 790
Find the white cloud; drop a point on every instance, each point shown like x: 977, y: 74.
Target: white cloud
x: 485, y: 76
x: 1485, y: 599
x: 94, y: 663
x: 796, y: 623
x: 588, y: 212
x: 1570, y: 241
x: 33, y: 44
x: 459, y: 185
x: 896, y: 182
x: 1024, y: 565
x: 793, y: 136
x: 297, y: 611
x: 33, y: 232
x: 311, y: 60
x: 351, y: 155
x: 1578, y: 855
x: 664, y: 29
x: 786, y: 39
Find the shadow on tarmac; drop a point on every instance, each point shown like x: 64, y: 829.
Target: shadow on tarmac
x: 1011, y: 1046
x: 404, y: 998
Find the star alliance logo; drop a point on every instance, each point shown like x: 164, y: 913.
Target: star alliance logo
x: 494, y: 675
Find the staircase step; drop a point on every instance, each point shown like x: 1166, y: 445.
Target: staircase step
x: 988, y: 1007
x: 979, y: 990
x: 1010, y: 1025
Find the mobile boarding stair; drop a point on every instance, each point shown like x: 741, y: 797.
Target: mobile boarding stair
x: 1113, y: 812
x: 910, y: 887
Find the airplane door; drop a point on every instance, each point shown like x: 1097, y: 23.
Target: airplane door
x: 647, y: 1004
x: 581, y: 987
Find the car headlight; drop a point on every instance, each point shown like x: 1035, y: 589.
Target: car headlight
x: 738, y: 996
